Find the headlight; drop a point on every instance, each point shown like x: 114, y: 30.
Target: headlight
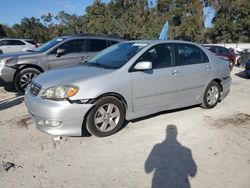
x: 60, y: 92
x: 2, y: 63
x: 11, y: 61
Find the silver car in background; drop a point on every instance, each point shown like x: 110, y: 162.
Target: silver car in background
x: 124, y: 82
x: 21, y: 67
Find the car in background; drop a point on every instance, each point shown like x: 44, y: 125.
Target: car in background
x: 124, y: 82
x: 227, y: 54
x: 20, y: 68
x: 9, y: 45
x: 247, y: 69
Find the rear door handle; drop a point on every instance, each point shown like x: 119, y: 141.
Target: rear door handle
x: 175, y: 72
x: 208, y: 68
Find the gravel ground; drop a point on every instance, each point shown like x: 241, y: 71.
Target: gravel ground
x: 182, y: 148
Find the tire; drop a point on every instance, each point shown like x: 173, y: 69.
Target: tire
x: 213, y: 89
x: 106, y: 117
x: 24, y: 78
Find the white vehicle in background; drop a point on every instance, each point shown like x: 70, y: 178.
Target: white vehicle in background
x: 8, y: 45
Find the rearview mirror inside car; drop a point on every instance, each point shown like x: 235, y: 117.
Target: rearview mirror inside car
x: 143, y: 65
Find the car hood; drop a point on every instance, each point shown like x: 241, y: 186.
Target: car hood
x: 17, y: 55
x: 73, y: 75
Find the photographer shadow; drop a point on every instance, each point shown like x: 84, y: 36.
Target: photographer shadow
x: 171, y: 162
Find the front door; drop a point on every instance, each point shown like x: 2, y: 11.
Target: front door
x: 74, y: 54
x: 156, y: 88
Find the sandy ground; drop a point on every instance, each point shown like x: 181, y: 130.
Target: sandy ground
x: 191, y: 147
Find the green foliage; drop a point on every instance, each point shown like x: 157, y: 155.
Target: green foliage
x: 232, y: 22
x: 135, y: 20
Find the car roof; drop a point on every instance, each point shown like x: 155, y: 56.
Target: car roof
x: 211, y: 45
x: 14, y: 39
x: 158, y: 41
x: 92, y: 36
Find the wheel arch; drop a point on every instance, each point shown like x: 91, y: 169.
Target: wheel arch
x: 85, y: 132
x: 112, y: 94
x: 219, y: 82
x: 21, y: 67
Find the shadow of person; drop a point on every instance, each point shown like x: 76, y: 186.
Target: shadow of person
x: 171, y: 162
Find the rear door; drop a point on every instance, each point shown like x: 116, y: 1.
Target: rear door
x: 156, y: 88
x: 194, y: 72
x: 74, y: 53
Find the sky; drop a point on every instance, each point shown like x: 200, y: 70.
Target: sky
x: 12, y: 11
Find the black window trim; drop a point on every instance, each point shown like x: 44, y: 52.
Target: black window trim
x: 173, y: 62
x: 177, y: 62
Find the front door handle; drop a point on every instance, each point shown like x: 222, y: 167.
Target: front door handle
x: 208, y: 68
x: 175, y: 72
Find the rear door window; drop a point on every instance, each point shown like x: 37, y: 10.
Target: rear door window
x: 188, y: 54
x: 96, y: 45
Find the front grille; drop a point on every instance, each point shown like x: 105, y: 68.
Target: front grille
x: 35, y: 88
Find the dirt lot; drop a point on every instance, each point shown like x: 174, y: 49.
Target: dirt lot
x: 194, y: 146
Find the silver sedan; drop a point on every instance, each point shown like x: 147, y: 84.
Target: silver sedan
x: 123, y: 82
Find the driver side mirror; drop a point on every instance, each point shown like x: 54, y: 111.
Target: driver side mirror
x: 60, y: 52
x: 143, y: 65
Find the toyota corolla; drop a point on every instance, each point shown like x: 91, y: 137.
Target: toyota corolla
x: 124, y: 82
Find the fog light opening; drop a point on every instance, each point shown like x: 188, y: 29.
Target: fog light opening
x: 51, y: 123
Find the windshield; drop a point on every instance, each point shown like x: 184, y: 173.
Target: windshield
x: 48, y: 45
x: 116, y: 56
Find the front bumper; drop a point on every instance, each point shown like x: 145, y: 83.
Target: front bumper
x: 7, y: 73
x: 226, y: 83
x: 70, y: 115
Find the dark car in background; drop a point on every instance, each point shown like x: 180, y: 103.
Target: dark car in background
x: 22, y: 67
x: 224, y: 53
x: 247, y: 69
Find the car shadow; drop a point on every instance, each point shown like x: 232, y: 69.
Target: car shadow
x: 10, y: 102
x: 171, y: 162
x: 9, y: 87
x: 162, y: 112
x: 241, y: 74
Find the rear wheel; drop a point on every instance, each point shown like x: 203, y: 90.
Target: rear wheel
x: 106, y: 118
x: 212, y: 95
x: 24, y: 78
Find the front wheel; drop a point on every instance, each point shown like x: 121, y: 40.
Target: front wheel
x: 212, y: 95
x: 106, y: 117
x: 24, y: 78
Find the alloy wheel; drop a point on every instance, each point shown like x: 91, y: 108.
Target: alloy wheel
x: 107, y: 117
x: 26, y: 79
x: 213, y: 95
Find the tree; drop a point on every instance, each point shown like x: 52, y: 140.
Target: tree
x: 232, y: 22
x: 2, y: 31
